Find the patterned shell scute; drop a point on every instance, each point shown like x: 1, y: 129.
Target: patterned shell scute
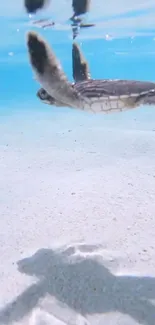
x: 113, y: 88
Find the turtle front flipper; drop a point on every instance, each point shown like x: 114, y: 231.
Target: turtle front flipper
x: 49, y: 72
x: 79, y: 65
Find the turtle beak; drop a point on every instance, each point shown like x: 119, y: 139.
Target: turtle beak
x: 39, y: 94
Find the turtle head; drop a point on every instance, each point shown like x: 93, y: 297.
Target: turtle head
x: 48, y: 99
x: 45, y: 97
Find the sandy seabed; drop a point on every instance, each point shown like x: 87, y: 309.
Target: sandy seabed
x: 77, y: 218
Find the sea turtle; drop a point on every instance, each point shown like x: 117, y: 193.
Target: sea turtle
x: 103, y: 95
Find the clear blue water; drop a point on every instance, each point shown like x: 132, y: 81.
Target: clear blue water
x: 127, y: 52
x: 65, y: 178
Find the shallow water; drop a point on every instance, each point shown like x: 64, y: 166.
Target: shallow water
x: 77, y: 190
x: 122, y: 45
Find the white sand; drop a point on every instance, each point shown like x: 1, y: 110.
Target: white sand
x: 77, y: 218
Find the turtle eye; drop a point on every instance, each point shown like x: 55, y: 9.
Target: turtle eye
x: 42, y: 94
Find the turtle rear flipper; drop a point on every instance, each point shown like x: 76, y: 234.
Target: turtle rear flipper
x: 49, y: 72
x: 147, y: 99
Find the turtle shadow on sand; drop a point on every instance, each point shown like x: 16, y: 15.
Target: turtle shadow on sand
x: 84, y: 285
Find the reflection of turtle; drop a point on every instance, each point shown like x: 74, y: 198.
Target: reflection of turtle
x: 80, y: 7
x: 88, y: 95
x: 32, y: 6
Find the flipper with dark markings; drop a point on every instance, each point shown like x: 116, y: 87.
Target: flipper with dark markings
x: 80, y: 72
x: 49, y: 72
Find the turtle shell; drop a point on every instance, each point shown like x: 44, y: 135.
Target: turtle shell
x: 114, y: 88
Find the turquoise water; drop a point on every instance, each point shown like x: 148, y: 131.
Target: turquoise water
x: 74, y: 186
x: 122, y: 45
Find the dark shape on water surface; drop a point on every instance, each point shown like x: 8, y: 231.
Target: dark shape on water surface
x: 76, y: 25
x: 44, y: 23
x: 80, y: 7
x: 32, y: 6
